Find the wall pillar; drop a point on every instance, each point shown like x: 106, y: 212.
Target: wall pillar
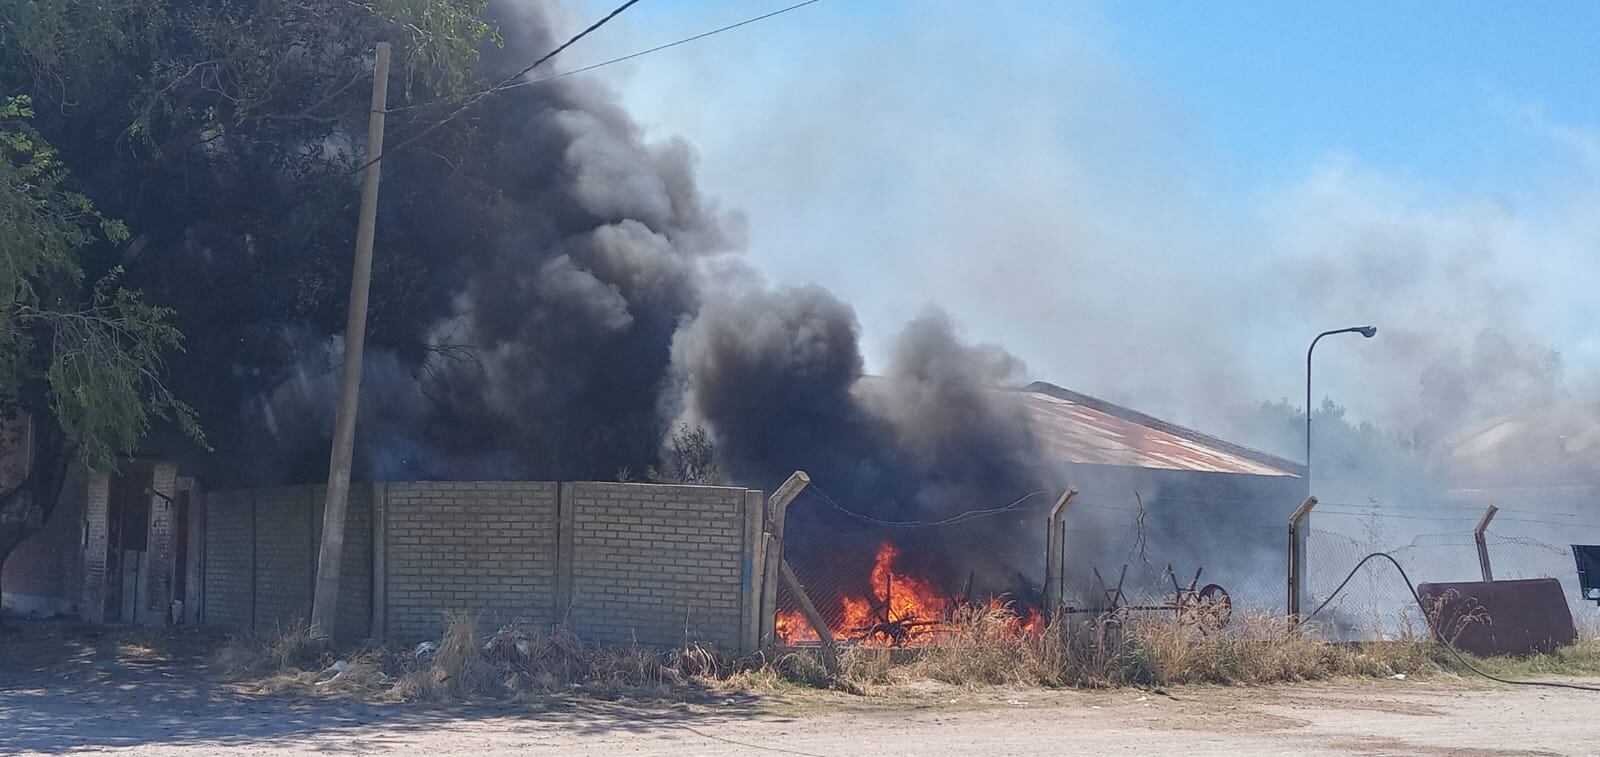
x: 160, y: 552
x: 96, y: 525
x: 194, y: 575
x: 566, y: 509
x: 753, y: 568
x: 379, y: 628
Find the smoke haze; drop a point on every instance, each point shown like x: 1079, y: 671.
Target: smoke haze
x: 593, y: 297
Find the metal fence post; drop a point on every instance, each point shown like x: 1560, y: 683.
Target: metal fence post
x: 1298, y: 527
x: 1483, y: 546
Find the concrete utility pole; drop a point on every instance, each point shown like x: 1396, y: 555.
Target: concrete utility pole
x: 325, y: 603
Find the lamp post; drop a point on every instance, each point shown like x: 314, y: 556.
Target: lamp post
x: 1365, y: 331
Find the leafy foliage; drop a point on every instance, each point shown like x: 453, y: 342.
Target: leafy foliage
x: 225, y: 134
x: 92, y: 360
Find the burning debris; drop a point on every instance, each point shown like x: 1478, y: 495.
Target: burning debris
x: 899, y: 608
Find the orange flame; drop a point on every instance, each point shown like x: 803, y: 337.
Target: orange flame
x: 900, y: 609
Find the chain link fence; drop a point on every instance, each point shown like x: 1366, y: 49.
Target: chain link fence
x: 893, y: 582
x: 1151, y: 548
x: 1433, y: 544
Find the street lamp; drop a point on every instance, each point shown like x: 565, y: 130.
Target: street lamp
x: 1365, y: 331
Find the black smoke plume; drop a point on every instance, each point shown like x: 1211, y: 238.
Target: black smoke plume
x: 582, y: 313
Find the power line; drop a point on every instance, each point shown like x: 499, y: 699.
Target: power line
x: 509, y: 80
x: 659, y: 48
x: 505, y: 83
x: 504, y: 86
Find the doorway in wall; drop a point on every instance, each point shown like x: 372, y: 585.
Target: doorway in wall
x: 127, y: 545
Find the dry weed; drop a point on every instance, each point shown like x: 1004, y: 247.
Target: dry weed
x: 978, y: 647
x: 291, y: 648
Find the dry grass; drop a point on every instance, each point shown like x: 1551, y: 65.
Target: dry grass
x: 981, y: 647
x: 291, y: 648
x: 516, y: 661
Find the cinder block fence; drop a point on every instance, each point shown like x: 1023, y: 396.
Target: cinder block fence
x: 649, y: 563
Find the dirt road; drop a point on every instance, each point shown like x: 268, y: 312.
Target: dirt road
x: 138, y: 712
x: 71, y: 693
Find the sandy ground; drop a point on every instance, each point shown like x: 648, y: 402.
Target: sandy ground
x: 100, y: 699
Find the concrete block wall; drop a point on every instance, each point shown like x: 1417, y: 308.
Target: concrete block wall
x: 229, y: 548
x: 658, y: 564
x: 260, y: 550
x: 354, y: 619
x: 620, y: 562
x: 284, y: 556
x: 468, y: 546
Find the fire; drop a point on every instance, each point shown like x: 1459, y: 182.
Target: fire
x: 791, y: 626
x: 898, y: 609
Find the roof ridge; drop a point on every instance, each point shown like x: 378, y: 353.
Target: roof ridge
x: 1150, y: 421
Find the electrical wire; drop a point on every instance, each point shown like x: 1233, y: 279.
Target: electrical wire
x: 512, y: 83
x: 659, y: 48
x: 1436, y: 634
x: 504, y: 84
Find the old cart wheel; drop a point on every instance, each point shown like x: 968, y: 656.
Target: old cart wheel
x: 1213, y: 608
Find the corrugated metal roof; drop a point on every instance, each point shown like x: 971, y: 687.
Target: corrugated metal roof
x: 1077, y: 428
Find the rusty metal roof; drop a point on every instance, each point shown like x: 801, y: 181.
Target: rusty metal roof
x: 1077, y: 428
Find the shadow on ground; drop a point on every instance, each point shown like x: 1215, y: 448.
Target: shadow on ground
x: 66, y: 687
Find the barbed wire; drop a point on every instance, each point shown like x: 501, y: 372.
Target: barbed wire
x: 958, y: 518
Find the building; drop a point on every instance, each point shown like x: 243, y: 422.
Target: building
x: 119, y: 548
x: 1547, y: 459
x: 134, y: 547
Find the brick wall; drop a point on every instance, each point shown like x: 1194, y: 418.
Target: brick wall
x: 41, y: 575
x: 229, y: 559
x: 284, y: 554
x: 619, y: 562
x: 656, y: 564
x: 96, y: 506
x: 260, y: 551
x: 159, y: 558
x: 354, y: 619
x: 479, y: 547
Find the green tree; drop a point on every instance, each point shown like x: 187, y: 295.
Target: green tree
x: 84, y: 362
x: 225, y: 133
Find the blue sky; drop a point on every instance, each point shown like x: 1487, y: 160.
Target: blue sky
x: 1422, y: 87
x: 1155, y: 202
